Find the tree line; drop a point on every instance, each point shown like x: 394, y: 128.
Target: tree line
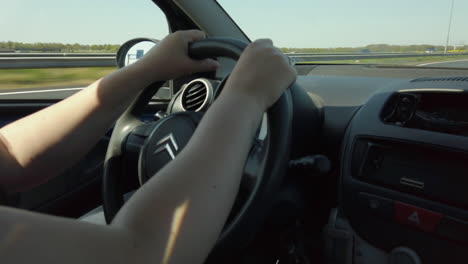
x: 60, y: 47
x: 57, y: 47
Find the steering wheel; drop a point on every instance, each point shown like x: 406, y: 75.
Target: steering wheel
x: 264, y: 170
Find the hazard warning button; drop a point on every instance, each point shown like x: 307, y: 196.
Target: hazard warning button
x: 419, y: 218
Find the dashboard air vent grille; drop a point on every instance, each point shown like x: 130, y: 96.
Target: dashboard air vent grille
x: 194, y: 96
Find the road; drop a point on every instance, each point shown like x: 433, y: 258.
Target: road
x: 448, y: 64
x: 54, y: 93
x: 55, y: 62
x: 39, y: 93
x: 61, y: 60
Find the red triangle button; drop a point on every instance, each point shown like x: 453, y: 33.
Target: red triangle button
x: 417, y: 217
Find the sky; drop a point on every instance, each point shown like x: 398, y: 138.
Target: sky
x: 293, y: 23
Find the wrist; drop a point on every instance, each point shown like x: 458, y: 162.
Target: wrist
x: 144, y: 72
x: 244, y: 103
x: 244, y: 90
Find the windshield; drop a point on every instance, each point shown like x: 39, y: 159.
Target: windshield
x: 431, y: 33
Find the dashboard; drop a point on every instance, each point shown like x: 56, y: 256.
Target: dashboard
x: 402, y: 149
x: 404, y: 168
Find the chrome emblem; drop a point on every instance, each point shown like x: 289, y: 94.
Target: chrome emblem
x: 169, y: 144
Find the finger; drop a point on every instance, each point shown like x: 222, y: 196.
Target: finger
x: 193, y: 35
x: 205, y: 65
x: 289, y: 60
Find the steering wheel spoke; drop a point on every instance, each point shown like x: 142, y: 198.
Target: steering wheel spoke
x: 131, y: 149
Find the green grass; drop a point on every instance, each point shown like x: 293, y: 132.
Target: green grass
x: 51, y: 77
x: 393, y: 61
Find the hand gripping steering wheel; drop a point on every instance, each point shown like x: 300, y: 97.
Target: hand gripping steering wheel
x: 264, y: 170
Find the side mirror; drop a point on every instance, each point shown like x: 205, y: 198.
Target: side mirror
x: 133, y: 50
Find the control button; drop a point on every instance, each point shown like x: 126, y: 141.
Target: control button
x: 372, y: 162
x: 380, y: 206
x: 403, y: 255
x: 422, y: 219
x: 159, y: 115
x: 453, y: 229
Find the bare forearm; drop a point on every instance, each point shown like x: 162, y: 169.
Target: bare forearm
x: 27, y: 237
x: 176, y: 217
x: 42, y: 145
x: 47, y: 142
x: 194, y: 193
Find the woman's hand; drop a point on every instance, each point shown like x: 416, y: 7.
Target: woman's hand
x: 262, y: 73
x: 169, y: 58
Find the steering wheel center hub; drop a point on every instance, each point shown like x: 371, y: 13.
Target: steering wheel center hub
x: 166, y: 139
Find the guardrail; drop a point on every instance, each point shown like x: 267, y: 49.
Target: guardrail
x: 55, y: 60
x: 363, y: 56
x: 68, y: 60
x: 66, y: 54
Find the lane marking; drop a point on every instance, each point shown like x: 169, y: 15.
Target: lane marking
x: 424, y: 64
x: 44, y: 91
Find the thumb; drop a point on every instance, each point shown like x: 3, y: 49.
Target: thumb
x: 205, y: 65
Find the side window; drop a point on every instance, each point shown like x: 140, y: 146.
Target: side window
x: 55, y: 44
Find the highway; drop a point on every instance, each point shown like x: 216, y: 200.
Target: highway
x: 57, y: 93
x: 448, y: 64
x: 55, y: 62
x: 53, y: 93
x: 361, y: 56
x: 63, y: 60
x: 51, y: 54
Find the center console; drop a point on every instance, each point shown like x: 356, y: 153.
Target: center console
x: 404, y: 178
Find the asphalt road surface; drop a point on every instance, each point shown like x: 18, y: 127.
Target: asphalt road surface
x: 448, y: 64
x: 53, y: 93
x: 60, y: 60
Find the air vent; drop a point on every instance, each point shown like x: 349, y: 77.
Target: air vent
x: 442, y: 79
x: 197, y: 95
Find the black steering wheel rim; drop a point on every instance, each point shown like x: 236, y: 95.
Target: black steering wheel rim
x: 243, y: 225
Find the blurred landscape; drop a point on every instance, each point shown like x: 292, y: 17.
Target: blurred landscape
x: 83, y: 76
x: 51, y: 77
x: 13, y: 46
